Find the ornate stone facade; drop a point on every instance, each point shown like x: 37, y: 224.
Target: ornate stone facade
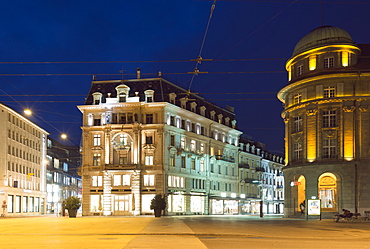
x: 327, y: 134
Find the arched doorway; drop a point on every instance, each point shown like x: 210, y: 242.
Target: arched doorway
x: 328, y: 192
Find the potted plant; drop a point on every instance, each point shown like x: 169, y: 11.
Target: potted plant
x: 158, y: 203
x: 72, y: 204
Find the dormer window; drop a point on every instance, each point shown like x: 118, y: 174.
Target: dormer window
x: 149, y: 96
x: 122, y: 98
x: 297, y: 98
x: 329, y: 62
x: 97, y: 98
x: 122, y: 93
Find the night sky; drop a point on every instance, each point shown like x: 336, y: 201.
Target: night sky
x: 51, y: 49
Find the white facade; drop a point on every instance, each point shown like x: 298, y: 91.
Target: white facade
x: 22, y: 168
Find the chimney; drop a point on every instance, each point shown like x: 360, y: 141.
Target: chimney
x: 138, y: 72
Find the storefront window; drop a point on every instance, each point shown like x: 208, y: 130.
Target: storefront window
x: 25, y: 204
x: 217, y: 206
x: 327, y: 191
x: 145, y: 203
x: 95, y: 203
x: 10, y: 203
x: 177, y: 203
x: 32, y: 204
x: 197, y: 204
x: 17, y: 204
x: 37, y: 203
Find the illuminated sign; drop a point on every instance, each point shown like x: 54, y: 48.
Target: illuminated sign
x: 313, y: 207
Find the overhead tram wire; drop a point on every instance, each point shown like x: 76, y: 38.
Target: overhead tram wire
x: 145, y: 61
x: 199, y: 59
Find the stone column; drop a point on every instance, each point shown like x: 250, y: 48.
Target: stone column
x: 135, y: 191
x: 311, y: 131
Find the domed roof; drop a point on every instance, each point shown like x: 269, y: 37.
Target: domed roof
x: 321, y: 36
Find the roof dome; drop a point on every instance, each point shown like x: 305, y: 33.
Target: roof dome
x: 321, y: 36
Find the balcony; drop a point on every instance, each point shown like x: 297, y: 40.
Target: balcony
x: 250, y: 180
x: 120, y: 166
x: 260, y: 169
x: 225, y: 158
x: 244, y: 165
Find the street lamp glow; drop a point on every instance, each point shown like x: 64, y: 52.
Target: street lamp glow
x: 28, y: 112
x: 63, y: 136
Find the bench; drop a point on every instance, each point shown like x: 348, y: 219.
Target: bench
x: 353, y: 216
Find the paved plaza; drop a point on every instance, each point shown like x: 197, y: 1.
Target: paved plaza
x: 181, y: 232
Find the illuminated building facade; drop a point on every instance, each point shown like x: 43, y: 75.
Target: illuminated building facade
x: 62, y: 180
x: 327, y: 120
x: 143, y: 137
x: 260, y: 179
x: 22, y: 171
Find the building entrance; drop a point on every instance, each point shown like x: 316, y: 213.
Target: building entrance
x: 122, y: 205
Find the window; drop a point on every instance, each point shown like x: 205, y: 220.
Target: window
x: 182, y: 143
x: 149, y: 118
x: 176, y: 181
x: 97, y: 181
x: 97, y: 140
x: 149, y: 180
x: 329, y: 62
x: 149, y: 99
x: 329, y: 119
x: 149, y: 140
x: 192, y: 164
x: 123, y: 160
x: 183, y: 162
x: 148, y: 160
x: 96, y: 160
x: 299, y: 70
x: 297, y: 124
x: 126, y: 180
x: 172, y: 140
x: 201, y: 147
x: 116, y: 180
x: 329, y: 92
x: 192, y: 145
x: 122, y: 98
x: 297, y: 151
x: 97, y: 122
x: 201, y: 165
x: 329, y: 148
x: 297, y: 98
x: 172, y: 160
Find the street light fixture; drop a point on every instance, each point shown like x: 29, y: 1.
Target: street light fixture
x: 28, y: 112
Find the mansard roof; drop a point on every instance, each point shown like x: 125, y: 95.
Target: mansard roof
x: 162, y: 88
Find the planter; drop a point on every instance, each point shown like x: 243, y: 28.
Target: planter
x: 72, y: 213
x: 157, y: 212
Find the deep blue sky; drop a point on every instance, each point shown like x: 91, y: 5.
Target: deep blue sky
x: 166, y: 30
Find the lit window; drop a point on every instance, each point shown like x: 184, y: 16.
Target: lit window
x: 96, y: 160
x: 202, y: 148
x: 345, y: 59
x: 149, y: 180
x: 148, y: 160
x: 192, y: 145
x: 201, y: 166
x: 182, y: 144
x: 329, y: 62
x: 97, y: 181
x: 329, y: 92
x: 149, y: 118
x: 172, y: 160
x: 96, y: 140
x: 297, y: 98
x: 126, y: 180
x: 116, y: 180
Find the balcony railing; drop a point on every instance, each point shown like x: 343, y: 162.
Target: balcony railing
x: 120, y: 166
x: 244, y: 165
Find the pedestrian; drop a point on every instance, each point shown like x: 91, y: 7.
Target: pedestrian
x: 302, y: 207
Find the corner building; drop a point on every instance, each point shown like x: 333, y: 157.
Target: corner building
x: 327, y: 120
x: 143, y: 137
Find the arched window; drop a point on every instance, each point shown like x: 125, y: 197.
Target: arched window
x: 328, y: 191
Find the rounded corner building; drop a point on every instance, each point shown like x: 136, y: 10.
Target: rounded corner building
x: 327, y: 123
